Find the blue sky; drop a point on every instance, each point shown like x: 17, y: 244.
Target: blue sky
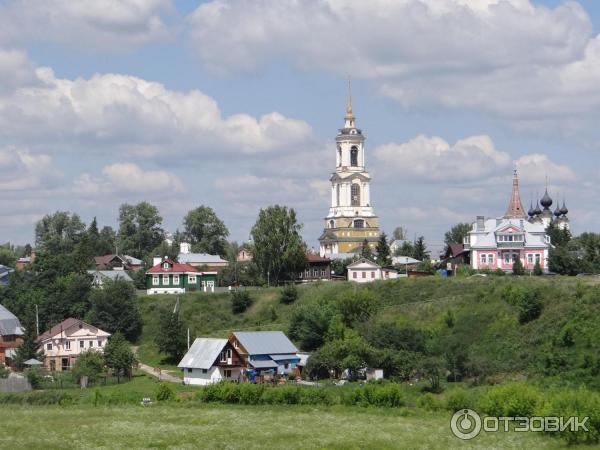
x: 235, y: 105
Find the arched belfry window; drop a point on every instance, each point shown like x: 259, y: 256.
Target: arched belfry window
x: 339, y: 149
x: 354, y: 156
x: 331, y: 224
x: 359, y: 223
x: 355, y: 195
x: 337, y: 195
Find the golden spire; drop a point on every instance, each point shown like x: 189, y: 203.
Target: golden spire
x: 349, y: 113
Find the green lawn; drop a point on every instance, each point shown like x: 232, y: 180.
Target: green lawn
x: 251, y: 427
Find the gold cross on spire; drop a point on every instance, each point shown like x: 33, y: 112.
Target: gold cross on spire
x: 349, y: 113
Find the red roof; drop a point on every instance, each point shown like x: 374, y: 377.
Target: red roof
x: 174, y: 267
x: 311, y: 257
x: 65, y: 324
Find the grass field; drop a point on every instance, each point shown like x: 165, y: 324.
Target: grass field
x: 220, y: 427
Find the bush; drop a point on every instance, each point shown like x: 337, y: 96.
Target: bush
x: 240, y: 301
x: 89, y: 364
x: 37, y: 398
x: 510, y: 400
x: 575, y: 403
x: 459, y: 398
x: 289, y: 294
x: 429, y: 402
x: 35, y: 376
x: 3, y: 371
x: 164, y: 392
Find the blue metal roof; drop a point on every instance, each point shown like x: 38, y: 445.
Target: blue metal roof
x: 265, y: 342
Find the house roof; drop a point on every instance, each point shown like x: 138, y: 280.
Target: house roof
x: 174, y: 267
x: 404, y: 260
x: 133, y: 261
x: 341, y: 256
x: 111, y: 274
x: 196, y: 258
x: 203, y: 353
x: 9, y: 323
x: 264, y: 364
x: 265, y: 342
x: 65, y: 324
x: 363, y: 262
x: 313, y: 258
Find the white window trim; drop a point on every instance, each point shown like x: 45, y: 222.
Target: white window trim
x: 165, y: 280
x: 176, y: 280
x: 155, y: 280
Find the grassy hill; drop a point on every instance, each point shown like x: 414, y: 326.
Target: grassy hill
x: 477, y: 318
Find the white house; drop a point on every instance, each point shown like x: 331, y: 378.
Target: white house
x: 62, y: 343
x: 209, y: 361
x: 365, y: 271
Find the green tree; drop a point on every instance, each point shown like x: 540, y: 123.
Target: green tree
x: 406, y: 249
x: 537, y: 269
x: 289, y: 294
x: 29, y: 348
x: 383, y: 251
x: 119, y: 357
x: 356, y: 307
x: 279, y: 251
x: 205, y: 231
x: 309, y: 324
x: 90, y: 364
x: 420, y: 249
x: 139, y: 229
x: 517, y: 267
x: 58, y: 233
x: 113, y: 309
x: 457, y: 233
x: 7, y: 257
x: 240, y: 301
x: 171, y: 338
x: 365, y: 250
x: 101, y: 242
x: 67, y: 296
x: 339, y: 267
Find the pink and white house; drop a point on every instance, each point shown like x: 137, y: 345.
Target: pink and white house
x: 497, y: 243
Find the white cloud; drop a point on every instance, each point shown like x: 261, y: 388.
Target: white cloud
x: 91, y: 24
x: 537, y: 166
x: 128, y: 178
x: 434, y: 159
x: 117, y: 111
x: 534, y: 65
x: 21, y: 170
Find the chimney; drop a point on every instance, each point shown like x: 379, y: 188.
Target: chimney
x: 185, y: 247
x: 480, y: 223
x: 156, y: 260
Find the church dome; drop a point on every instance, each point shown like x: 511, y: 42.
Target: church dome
x: 537, y: 211
x: 546, y: 201
x: 564, y: 211
x: 531, y: 212
x: 557, y: 211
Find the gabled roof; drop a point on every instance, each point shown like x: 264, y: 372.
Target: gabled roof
x: 203, y: 353
x: 174, y: 267
x: 265, y: 342
x: 64, y: 326
x: 111, y: 274
x: 363, y: 261
x: 9, y: 323
x: 313, y: 258
x: 187, y: 258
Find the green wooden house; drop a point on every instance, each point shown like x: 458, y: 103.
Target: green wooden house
x: 170, y: 277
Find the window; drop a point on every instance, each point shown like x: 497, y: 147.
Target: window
x: 530, y: 258
x: 355, y: 195
x: 339, y: 149
x: 166, y: 265
x: 192, y: 279
x: 227, y: 373
x: 155, y: 281
x: 483, y: 258
x: 364, y: 274
x: 189, y: 370
x: 337, y: 195
x: 322, y: 272
x: 537, y: 258
x: 99, y: 343
x: 236, y: 344
x: 223, y: 357
x: 353, y: 274
x: 332, y: 224
x: 359, y: 223
x: 81, y: 344
x: 315, y: 273
x: 286, y: 366
x: 204, y: 370
x: 176, y: 280
x: 354, y: 156
x: 491, y: 258
x: 307, y: 273
x: 372, y: 274
x: 49, y: 346
x: 91, y: 344
x: 229, y: 353
x: 68, y: 345
x: 507, y: 258
x: 165, y: 279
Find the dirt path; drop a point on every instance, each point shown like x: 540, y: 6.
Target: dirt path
x: 162, y: 375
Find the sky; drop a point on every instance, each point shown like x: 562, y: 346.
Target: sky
x: 235, y: 105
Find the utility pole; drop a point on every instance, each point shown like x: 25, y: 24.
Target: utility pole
x: 188, y: 338
x: 37, y: 321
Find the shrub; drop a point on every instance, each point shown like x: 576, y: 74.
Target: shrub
x: 289, y: 294
x: 3, y: 371
x: 459, y: 398
x: 429, y: 402
x: 240, y: 301
x: 510, y: 400
x: 35, y: 376
x: 89, y: 364
x: 164, y: 392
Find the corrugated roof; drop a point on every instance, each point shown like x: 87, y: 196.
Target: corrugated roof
x: 199, y: 258
x: 9, y: 323
x: 270, y: 364
x: 111, y: 274
x: 173, y: 268
x: 67, y: 323
x: 265, y: 342
x: 203, y: 353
